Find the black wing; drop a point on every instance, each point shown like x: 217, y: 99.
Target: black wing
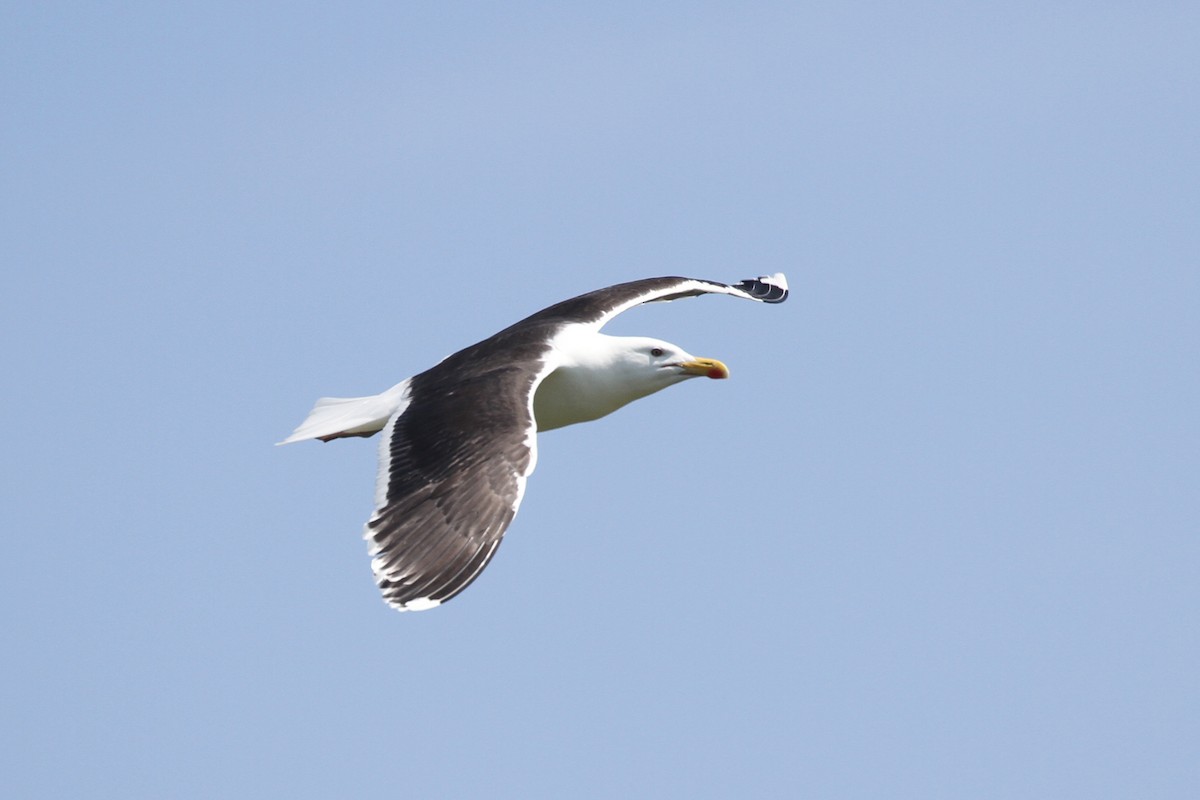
x: 453, y: 466
x: 602, y: 305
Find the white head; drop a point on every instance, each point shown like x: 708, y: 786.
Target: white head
x: 601, y: 373
x: 656, y: 364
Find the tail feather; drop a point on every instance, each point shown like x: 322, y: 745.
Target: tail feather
x: 335, y: 417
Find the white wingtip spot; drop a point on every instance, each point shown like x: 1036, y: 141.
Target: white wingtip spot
x: 420, y: 604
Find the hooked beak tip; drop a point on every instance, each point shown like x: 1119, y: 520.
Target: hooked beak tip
x: 708, y: 367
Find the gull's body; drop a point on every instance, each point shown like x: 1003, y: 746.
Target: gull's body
x: 460, y: 439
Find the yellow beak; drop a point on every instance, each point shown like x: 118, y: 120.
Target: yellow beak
x: 708, y: 367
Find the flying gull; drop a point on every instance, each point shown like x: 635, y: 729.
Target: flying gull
x: 460, y: 439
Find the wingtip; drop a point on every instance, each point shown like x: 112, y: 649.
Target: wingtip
x: 766, y: 288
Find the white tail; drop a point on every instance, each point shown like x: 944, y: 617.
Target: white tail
x: 334, y: 417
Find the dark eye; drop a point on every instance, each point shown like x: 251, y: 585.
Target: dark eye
x: 657, y: 351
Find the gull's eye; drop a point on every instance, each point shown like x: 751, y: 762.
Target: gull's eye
x: 656, y: 352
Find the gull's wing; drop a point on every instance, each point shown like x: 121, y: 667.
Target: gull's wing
x: 598, y: 307
x: 452, y: 469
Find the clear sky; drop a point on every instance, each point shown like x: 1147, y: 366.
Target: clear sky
x: 936, y: 538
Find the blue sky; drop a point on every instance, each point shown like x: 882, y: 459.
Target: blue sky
x: 936, y: 537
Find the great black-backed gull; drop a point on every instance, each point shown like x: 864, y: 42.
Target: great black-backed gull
x: 460, y: 439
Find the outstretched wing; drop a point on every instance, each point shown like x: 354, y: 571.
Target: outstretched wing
x: 452, y: 470
x: 598, y: 307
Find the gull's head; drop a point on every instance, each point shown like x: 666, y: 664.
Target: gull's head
x: 597, y: 374
x: 662, y: 364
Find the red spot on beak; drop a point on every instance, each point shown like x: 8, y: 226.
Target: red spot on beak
x: 708, y: 367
